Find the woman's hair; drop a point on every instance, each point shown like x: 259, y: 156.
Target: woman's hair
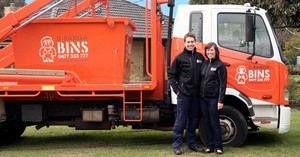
x: 212, y: 44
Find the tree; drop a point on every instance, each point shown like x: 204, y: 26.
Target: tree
x: 292, y: 47
x: 284, y: 13
x: 6, y: 3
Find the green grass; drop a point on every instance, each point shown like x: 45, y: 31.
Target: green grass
x: 60, y: 141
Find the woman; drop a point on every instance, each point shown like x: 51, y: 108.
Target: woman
x: 212, y: 93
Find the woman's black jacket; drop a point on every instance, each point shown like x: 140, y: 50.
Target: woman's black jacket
x: 214, y: 79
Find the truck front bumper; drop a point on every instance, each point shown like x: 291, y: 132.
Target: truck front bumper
x: 284, y: 119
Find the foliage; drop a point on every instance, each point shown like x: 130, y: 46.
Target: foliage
x: 6, y: 3
x: 294, y: 82
x: 291, y: 51
x: 284, y: 13
x: 292, y: 47
x: 293, y: 69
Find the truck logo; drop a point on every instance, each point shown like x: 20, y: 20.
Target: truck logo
x: 72, y: 48
x: 241, y: 75
x: 47, y: 51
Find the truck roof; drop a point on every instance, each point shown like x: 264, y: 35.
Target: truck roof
x: 218, y: 6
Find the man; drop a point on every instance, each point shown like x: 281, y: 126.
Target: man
x: 184, y: 77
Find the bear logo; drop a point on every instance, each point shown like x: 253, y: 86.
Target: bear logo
x: 241, y: 75
x: 47, y: 51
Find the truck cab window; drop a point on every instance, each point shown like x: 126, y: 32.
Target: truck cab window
x: 231, y: 34
x: 196, y: 25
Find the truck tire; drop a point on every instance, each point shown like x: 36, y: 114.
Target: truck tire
x: 12, y: 132
x: 234, y: 127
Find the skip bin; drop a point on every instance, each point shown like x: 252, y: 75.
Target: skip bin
x: 97, y: 50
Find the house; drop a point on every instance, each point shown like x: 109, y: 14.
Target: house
x: 10, y: 8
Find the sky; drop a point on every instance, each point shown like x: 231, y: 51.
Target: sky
x: 165, y: 7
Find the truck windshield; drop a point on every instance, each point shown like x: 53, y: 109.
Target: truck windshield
x: 231, y: 35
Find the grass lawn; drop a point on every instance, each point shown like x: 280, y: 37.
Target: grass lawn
x: 61, y: 141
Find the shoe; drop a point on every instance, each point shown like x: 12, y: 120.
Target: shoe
x: 208, y: 151
x: 177, y: 151
x: 219, y: 151
x: 196, y: 149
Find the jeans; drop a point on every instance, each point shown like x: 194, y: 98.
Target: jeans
x: 211, y: 115
x: 187, y: 117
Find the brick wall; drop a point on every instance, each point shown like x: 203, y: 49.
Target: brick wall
x: 137, y: 61
x: 11, y: 8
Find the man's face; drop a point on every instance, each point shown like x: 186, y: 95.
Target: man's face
x: 189, y: 43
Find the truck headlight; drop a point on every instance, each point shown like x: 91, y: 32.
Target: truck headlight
x: 286, y: 93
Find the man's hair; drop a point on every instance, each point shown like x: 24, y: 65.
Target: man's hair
x: 189, y: 34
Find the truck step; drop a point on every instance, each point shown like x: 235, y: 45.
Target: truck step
x: 264, y: 119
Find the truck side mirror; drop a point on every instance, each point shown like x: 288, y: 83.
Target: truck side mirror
x: 171, y: 3
x: 250, y: 28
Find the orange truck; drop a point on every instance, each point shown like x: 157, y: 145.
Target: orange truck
x: 76, y: 71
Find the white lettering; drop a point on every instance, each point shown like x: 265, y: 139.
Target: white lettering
x: 267, y: 74
x: 85, y: 48
x: 260, y: 74
x: 67, y: 47
x: 251, y: 74
x: 61, y: 48
x: 73, y: 46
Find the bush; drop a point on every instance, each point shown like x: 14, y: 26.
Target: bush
x: 294, y: 91
x: 293, y: 69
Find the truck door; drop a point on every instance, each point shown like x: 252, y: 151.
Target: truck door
x: 257, y: 78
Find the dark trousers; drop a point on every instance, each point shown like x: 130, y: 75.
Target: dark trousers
x: 187, y: 117
x: 211, y: 115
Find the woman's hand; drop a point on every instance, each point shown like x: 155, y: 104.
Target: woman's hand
x: 220, y: 105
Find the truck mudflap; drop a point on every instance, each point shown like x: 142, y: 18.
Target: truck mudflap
x: 284, y: 119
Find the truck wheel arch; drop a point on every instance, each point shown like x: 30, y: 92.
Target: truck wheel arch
x: 234, y: 118
x: 234, y: 127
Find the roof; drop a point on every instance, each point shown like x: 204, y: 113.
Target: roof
x: 118, y: 8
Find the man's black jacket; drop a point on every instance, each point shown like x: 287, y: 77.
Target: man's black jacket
x: 184, y: 74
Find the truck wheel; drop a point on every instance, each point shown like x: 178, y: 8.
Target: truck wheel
x: 234, y: 127
x: 16, y: 132
x: 12, y: 132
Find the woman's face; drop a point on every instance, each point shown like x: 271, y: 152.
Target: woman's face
x: 211, y: 53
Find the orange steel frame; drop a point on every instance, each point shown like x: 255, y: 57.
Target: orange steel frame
x: 153, y: 90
